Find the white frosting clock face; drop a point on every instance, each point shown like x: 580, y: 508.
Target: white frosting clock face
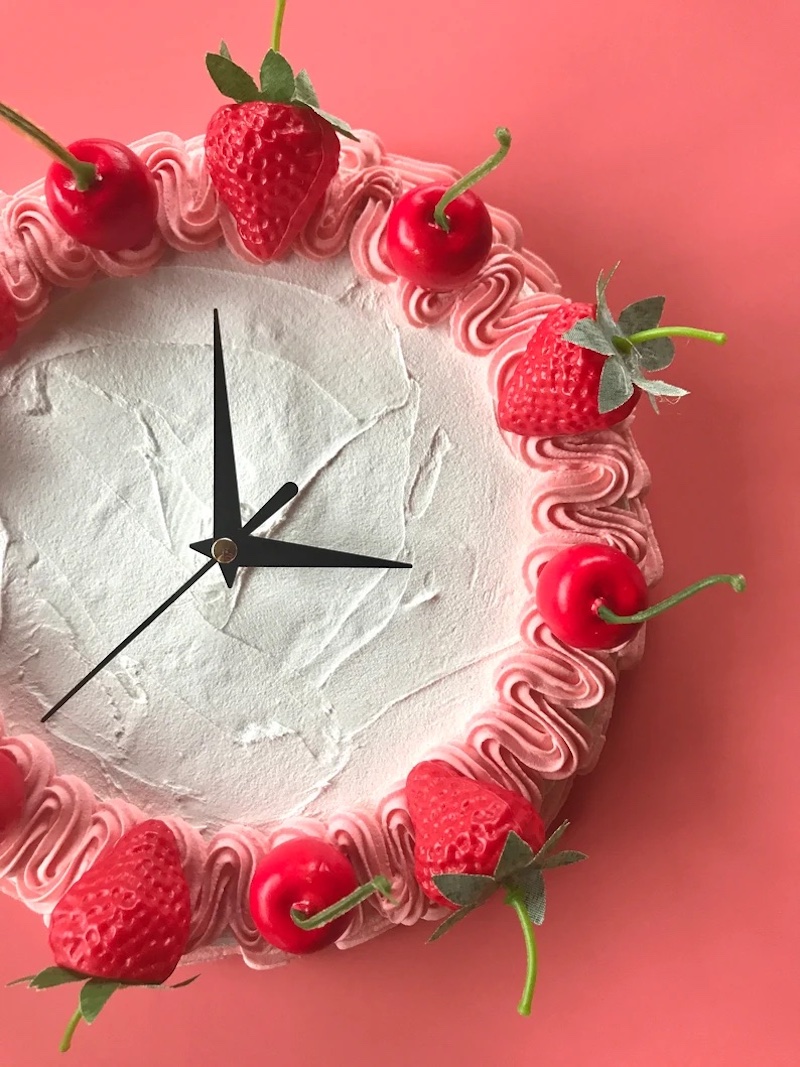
x: 297, y: 690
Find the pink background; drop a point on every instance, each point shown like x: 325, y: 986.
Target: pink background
x: 664, y: 135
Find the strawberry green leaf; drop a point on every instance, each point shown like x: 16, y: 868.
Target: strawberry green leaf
x: 277, y: 79
x: 562, y: 859
x: 656, y: 354
x: 184, y: 983
x: 338, y: 124
x: 224, y: 51
x: 658, y: 388
x: 450, y: 922
x: 466, y: 890
x: 552, y: 841
x: 21, y: 981
x: 531, y: 883
x: 230, y: 79
x: 616, y: 386
x: 641, y: 315
x: 95, y: 995
x: 53, y: 976
x: 304, y: 90
x: 588, y: 334
x: 516, y: 855
x: 604, y: 316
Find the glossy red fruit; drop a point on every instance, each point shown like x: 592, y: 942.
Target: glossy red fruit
x: 119, y: 209
x: 127, y: 918
x: 576, y: 581
x: 8, y: 320
x: 461, y: 826
x: 554, y: 388
x: 306, y: 874
x: 12, y: 793
x: 270, y: 164
x: 429, y: 256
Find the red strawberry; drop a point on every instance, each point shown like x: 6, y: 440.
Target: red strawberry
x: 8, y: 319
x: 584, y: 371
x: 554, y: 388
x: 273, y: 153
x: 472, y: 838
x: 126, y: 919
x: 461, y: 826
x: 271, y: 164
x: 125, y: 922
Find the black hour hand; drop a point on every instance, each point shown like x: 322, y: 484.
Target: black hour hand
x: 266, y: 552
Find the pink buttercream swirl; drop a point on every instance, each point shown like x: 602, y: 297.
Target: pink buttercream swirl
x: 546, y: 719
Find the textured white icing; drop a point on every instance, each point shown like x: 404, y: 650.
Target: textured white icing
x: 249, y: 705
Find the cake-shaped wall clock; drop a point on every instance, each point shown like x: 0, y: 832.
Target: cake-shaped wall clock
x: 323, y: 541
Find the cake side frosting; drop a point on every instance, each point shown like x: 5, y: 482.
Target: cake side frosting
x: 546, y: 719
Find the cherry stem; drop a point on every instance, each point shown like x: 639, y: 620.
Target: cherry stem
x: 84, y: 173
x: 277, y: 25
x: 626, y: 343
x: 379, y: 884
x: 504, y: 140
x: 515, y: 899
x: 69, y: 1033
x: 736, y: 581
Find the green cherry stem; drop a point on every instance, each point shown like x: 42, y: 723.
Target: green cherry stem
x: 504, y: 140
x: 277, y: 25
x: 379, y: 884
x: 670, y: 331
x: 736, y: 581
x: 69, y: 1033
x: 84, y: 173
x: 515, y: 899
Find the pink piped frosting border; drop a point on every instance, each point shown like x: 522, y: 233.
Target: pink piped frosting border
x: 545, y: 719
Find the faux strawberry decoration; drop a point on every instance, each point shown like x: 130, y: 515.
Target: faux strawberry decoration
x: 98, y: 190
x: 303, y: 894
x: 124, y: 922
x: 583, y: 370
x: 273, y: 152
x: 473, y: 838
x: 440, y: 236
x: 593, y: 596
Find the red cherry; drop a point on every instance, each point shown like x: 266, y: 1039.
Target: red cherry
x: 576, y: 580
x: 429, y: 256
x: 307, y: 875
x: 118, y: 210
x: 440, y: 236
x: 593, y: 596
x: 12, y: 792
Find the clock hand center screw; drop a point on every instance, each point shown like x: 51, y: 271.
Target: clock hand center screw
x: 224, y: 550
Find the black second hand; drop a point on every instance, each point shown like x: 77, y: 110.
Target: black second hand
x: 131, y: 637
x: 275, y: 503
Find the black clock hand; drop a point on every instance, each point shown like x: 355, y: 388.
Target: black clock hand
x: 227, y: 508
x: 266, y: 552
x: 131, y: 637
x: 277, y: 501
x: 287, y: 492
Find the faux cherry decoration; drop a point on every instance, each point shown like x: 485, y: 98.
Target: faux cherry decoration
x: 99, y: 191
x: 439, y: 237
x: 12, y: 793
x: 303, y: 893
x: 593, y: 596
